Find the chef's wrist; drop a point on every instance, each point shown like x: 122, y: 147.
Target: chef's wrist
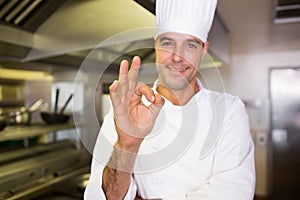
x: 122, y: 160
x: 128, y: 147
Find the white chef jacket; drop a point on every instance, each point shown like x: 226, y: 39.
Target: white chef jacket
x: 202, y: 150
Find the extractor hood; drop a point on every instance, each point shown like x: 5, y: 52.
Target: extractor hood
x: 287, y: 11
x: 73, y: 28
x: 27, y: 14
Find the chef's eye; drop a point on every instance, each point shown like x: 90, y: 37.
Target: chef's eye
x: 166, y: 44
x: 192, y: 46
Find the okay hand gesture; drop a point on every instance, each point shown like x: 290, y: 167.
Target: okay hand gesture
x: 133, y: 119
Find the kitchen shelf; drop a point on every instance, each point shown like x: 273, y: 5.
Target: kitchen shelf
x: 12, y: 103
x: 25, y: 131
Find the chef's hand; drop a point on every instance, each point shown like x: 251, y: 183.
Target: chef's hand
x: 133, y: 119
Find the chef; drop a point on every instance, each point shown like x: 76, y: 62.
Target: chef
x: 176, y: 140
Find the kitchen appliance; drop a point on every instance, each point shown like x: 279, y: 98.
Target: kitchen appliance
x: 285, y: 133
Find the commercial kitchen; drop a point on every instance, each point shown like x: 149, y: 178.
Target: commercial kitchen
x: 57, y: 59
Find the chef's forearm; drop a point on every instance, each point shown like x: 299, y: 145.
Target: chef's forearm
x: 116, y: 176
x: 115, y: 184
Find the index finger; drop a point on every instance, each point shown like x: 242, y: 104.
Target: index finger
x: 123, y: 78
x: 134, y: 72
x: 143, y: 89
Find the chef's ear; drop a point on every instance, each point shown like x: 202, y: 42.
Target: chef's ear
x: 204, y: 50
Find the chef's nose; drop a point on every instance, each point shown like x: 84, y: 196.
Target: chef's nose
x: 177, y: 54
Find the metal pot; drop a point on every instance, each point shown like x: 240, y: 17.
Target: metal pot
x: 19, y: 116
x: 22, y: 115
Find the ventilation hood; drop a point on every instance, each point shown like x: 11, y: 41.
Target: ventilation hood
x: 287, y: 11
x: 27, y: 14
x: 51, y: 34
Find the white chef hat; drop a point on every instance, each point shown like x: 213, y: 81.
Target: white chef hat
x: 193, y: 17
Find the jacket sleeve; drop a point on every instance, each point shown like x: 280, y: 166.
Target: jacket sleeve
x: 233, y: 174
x: 101, y: 154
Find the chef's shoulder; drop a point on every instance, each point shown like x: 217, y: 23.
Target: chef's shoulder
x: 229, y: 102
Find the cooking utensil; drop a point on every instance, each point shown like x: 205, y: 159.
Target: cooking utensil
x: 19, y: 116
x: 22, y: 115
x: 54, y: 118
x: 56, y: 100
x: 66, y: 104
x: 36, y: 105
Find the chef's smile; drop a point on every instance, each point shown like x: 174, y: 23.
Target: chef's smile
x: 177, y: 70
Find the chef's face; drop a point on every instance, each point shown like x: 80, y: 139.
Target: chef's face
x: 178, y: 57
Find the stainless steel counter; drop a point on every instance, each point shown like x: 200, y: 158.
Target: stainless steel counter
x: 38, y: 170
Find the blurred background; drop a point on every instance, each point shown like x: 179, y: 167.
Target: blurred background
x: 254, y: 53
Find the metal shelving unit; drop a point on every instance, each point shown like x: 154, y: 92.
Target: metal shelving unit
x: 27, y: 131
x: 41, y: 169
